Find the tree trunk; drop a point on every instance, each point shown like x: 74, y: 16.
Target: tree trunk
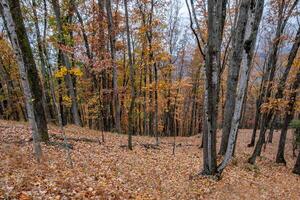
x: 233, y: 73
x: 272, y: 127
x: 33, y: 77
x: 45, y: 79
x: 131, y: 76
x: 112, y: 40
x: 296, y: 169
x: 21, y: 53
x: 253, y: 22
x: 216, y: 18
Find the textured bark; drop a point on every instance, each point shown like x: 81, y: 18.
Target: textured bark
x: 112, y: 40
x: 20, y: 54
x: 257, y: 116
x: 233, y: 73
x: 66, y: 61
x: 272, y: 127
x: 131, y: 76
x: 216, y: 18
x: 254, y: 18
x: 31, y: 69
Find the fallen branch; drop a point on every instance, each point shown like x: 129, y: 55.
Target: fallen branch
x: 150, y: 146
x: 60, y: 145
x: 59, y: 137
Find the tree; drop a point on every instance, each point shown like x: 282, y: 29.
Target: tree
x: 31, y: 69
x: 112, y: 41
x: 270, y: 74
x: 131, y: 77
x: 216, y: 19
x: 296, y: 169
x: 66, y: 62
x: 287, y: 119
x: 234, y: 69
x: 20, y: 53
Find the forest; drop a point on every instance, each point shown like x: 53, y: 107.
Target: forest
x: 149, y: 99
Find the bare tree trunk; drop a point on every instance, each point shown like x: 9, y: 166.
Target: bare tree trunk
x: 272, y: 127
x: 112, y: 39
x: 12, y: 23
x: 131, y: 74
x: 156, y: 105
x: 257, y: 116
x: 254, y: 18
x: 31, y: 69
x: 216, y: 18
x: 233, y: 73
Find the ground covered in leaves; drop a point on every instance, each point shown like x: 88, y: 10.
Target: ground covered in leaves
x: 110, y: 171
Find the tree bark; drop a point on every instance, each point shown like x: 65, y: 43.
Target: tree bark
x: 216, y: 18
x: 112, y: 40
x: 33, y: 77
x: 255, y: 13
x: 45, y: 79
x: 233, y: 73
x: 131, y: 76
x: 21, y: 53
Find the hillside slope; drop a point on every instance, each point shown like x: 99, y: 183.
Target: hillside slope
x: 110, y: 171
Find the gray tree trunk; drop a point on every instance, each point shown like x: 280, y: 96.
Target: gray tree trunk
x: 254, y: 19
x: 216, y: 18
x: 233, y: 71
x: 11, y: 24
x: 131, y: 77
x: 112, y: 40
x: 31, y: 69
x: 45, y: 77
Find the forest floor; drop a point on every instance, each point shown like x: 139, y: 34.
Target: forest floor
x: 111, y: 171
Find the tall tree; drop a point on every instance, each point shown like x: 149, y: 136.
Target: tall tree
x: 67, y: 63
x: 288, y: 118
x: 233, y: 70
x: 112, y: 41
x: 20, y: 53
x: 31, y: 69
x: 216, y: 19
x: 251, y: 31
x: 131, y: 77
x: 270, y: 74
